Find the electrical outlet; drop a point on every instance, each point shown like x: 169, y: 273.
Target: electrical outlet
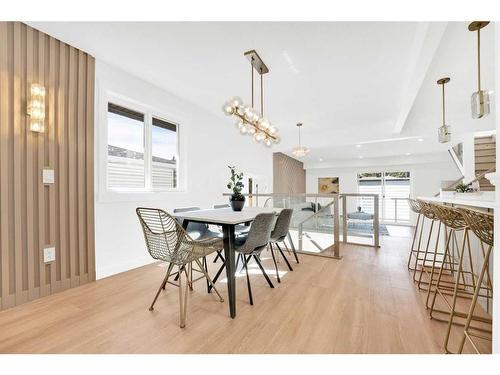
x: 49, y: 254
x: 47, y: 176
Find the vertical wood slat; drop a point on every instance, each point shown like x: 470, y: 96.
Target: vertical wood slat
x: 81, y: 83
x: 51, y: 163
x: 16, y: 118
x: 33, y: 215
x: 90, y: 167
x: 7, y: 299
x: 41, y: 163
x: 71, y: 125
x: 33, y: 292
x: 63, y: 160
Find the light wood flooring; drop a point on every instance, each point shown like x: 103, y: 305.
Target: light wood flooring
x: 365, y: 303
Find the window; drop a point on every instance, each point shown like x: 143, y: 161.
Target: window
x: 142, y: 151
x: 164, y: 151
x: 392, y: 188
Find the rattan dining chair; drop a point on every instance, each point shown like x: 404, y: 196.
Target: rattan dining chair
x: 200, y: 231
x: 252, y: 245
x: 279, y: 235
x: 167, y: 241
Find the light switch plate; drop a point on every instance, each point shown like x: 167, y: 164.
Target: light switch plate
x: 48, y: 176
x: 49, y: 254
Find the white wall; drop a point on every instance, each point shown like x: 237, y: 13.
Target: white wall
x: 208, y: 145
x: 425, y: 177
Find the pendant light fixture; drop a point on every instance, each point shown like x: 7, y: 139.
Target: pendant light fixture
x: 250, y: 121
x: 444, y: 131
x: 300, y: 151
x: 480, y: 100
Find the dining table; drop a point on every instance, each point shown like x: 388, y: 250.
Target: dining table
x: 227, y: 219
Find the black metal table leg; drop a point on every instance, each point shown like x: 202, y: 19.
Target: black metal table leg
x: 228, y: 238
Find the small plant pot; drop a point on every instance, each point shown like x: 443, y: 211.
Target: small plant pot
x: 237, y: 202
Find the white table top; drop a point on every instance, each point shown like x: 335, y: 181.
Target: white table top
x: 461, y: 202
x: 226, y: 215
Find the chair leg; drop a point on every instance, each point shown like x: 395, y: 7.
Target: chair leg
x: 209, y: 280
x: 275, y: 264
x: 284, y: 257
x: 263, y: 271
x: 183, y: 299
x: 237, y: 262
x: 245, y: 264
x: 294, y: 252
x: 162, y: 286
x: 217, y: 276
x: 205, y: 267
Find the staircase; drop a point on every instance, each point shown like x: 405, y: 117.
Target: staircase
x: 485, y: 159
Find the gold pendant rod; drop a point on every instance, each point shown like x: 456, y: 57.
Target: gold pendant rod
x: 261, y: 95
x: 478, y: 60
x: 251, y: 68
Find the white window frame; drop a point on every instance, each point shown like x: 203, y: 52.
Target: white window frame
x: 148, y: 192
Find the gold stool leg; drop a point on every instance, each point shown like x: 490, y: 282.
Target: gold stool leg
x: 415, y: 265
x: 412, y: 250
x: 425, y: 256
x: 438, y: 282
x: 474, y: 301
x: 427, y: 252
x: 431, y: 281
x: 455, y: 291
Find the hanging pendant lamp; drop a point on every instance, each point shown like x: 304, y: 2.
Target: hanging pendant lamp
x: 250, y: 121
x: 444, y: 131
x: 300, y: 151
x: 480, y: 100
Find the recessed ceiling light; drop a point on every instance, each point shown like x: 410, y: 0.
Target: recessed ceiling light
x: 420, y: 139
x: 358, y: 146
x: 361, y: 157
x: 408, y: 154
x: 320, y: 159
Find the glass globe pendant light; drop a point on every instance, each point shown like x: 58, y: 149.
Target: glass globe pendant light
x: 250, y: 121
x: 300, y: 151
x: 480, y: 100
x: 444, y: 131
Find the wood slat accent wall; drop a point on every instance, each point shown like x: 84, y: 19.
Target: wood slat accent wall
x: 289, y: 176
x: 33, y: 215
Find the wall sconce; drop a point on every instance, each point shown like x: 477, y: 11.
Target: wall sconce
x: 36, y: 108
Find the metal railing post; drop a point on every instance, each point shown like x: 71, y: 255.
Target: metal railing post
x: 300, y: 237
x: 376, y: 222
x: 336, y: 222
x: 344, y: 219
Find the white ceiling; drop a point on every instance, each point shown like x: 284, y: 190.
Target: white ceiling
x: 349, y: 83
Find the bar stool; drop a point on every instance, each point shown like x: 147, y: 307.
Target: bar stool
x: 444, y: 261
x: 482, y: 224
x: 463, y: 282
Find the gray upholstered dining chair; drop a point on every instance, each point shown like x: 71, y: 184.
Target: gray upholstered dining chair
x: 252, y: 244
x: 167, y: 241
x: 278, y: 235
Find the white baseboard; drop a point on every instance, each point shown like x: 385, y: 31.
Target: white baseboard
x: 102, y: 272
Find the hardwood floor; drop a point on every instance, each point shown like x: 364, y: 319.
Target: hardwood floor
x: 365, y: 303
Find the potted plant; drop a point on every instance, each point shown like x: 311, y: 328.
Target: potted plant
x: 237, y: 200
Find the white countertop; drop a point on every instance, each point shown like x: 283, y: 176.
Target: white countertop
x: 475, y: 201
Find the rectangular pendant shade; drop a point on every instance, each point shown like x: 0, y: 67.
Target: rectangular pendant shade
x: 444, y: 134
x: 480, y: 104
